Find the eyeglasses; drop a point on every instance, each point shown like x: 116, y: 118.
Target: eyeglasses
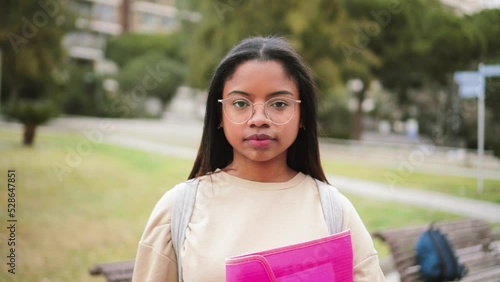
x: 278, y: 110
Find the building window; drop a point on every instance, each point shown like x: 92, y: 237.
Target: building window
x: 84, y: 39
x: 105, y: 13
x: 168, y: 22
x: 83, y: 9
x: 148, y: 19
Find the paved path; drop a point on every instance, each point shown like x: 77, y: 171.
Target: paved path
x: 427, y: 199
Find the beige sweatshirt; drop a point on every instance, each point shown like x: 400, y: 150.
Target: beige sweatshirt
x: 234, y: 216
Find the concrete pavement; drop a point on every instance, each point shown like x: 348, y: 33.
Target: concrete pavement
x: 426, y: 199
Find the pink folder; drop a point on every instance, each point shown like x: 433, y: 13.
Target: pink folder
x: 322, y: 260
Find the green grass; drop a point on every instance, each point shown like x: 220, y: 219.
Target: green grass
x: 452, y: 185
x: 97, y: 212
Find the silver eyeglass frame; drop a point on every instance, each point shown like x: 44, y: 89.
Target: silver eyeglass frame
x: 294, y: 101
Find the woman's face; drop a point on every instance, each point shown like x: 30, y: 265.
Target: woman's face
x: 259, y: 139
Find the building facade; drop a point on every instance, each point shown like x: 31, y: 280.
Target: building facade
x: 98, y: 20
x: 466, y: 7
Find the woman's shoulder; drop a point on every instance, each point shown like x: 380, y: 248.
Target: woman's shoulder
x: 345, y: 203
x: 165, y: 204
x: 161, y: 216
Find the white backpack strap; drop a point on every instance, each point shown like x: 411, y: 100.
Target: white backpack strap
x: 332, y: 206
x: 181, y: 215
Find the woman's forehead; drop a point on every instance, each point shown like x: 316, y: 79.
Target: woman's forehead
x: 257, y: 77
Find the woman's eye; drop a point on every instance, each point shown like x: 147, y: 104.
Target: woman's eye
x: 240, y: 104
x: 279, y: 104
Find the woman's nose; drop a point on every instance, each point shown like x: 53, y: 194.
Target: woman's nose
x: 259, y: 117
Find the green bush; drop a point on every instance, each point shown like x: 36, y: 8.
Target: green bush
x: 335, y: 119
x: 163, y: 75
x: 31, y: 112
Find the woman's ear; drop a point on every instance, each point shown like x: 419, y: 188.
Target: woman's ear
x: 220, y: 125
x: 301, y: 125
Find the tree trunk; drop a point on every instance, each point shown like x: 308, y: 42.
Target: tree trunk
x: 29, y: 134
x: 357, y: 123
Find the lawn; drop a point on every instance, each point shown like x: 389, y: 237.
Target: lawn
x: 452, y: 185
x: 74, y: 212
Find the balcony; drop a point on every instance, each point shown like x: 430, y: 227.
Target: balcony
x: 84, y: 45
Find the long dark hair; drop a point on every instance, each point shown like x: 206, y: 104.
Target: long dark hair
x: 216, y: 152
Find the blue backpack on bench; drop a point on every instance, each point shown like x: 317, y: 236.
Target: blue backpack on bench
x: 436, y: 257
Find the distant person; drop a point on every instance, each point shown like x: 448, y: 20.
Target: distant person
x: 411, y: 127
x: 256, y: 166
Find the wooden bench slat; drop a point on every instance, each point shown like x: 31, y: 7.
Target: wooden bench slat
x: 115, y: 271
x: 491, y: 274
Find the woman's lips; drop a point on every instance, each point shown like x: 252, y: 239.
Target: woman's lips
x: 259, y: 140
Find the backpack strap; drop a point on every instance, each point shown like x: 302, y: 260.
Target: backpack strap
x: 181, y: 215
x: 332, y: 207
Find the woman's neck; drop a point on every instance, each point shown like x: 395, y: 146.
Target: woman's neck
x: 261, y: 171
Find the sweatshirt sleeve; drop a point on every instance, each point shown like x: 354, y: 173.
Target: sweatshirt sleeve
x: 155, y: 260
x: 366, y: 262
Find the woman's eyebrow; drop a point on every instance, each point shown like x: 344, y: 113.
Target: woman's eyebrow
x: 280, y: 92
x: 239, y: 92
x: 276, y: 93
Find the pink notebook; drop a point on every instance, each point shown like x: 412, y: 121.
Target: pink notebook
x: 321, y: 260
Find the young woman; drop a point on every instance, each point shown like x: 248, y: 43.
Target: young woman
x: 256, y: 167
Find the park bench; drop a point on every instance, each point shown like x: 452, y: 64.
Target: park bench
x: 474, y: 243
x: 114, y: 271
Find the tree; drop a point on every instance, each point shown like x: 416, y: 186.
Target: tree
x: 128, y: 46
x: 406, y: 45
x: 150, y: 64
x: 152, y: 74
x: 488, y: 22
x: 420, y: 45
x: 31, y: 114
x: 30, y: 40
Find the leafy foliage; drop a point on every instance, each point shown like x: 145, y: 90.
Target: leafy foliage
x: 151, y: 65
x: 152, y: 74
x: 32, y: 58
x: 488, y: 23
x: 31, y: 112
x: 321, y: 31
x: 30, y: 40
x: 126, y: 47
